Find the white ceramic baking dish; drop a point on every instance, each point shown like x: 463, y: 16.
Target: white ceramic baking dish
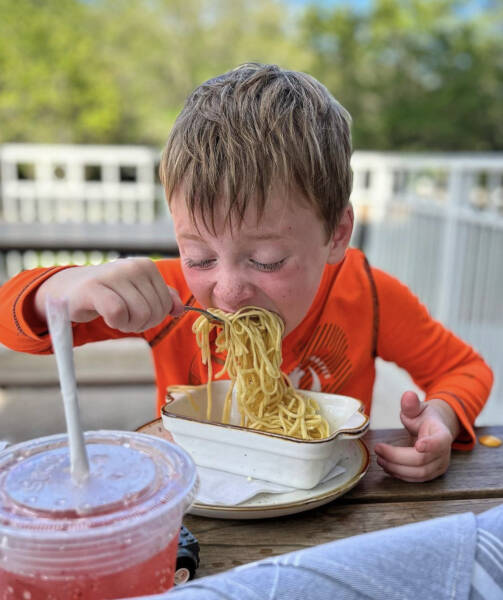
x: 258, y: 454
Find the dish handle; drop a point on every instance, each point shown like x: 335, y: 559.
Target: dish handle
x: 355, y: 427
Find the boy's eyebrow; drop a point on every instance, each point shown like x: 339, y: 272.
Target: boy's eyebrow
x: 260, y: 237
x: 267, y: 236
x: 191, y: 236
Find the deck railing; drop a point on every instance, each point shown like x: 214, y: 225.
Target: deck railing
x: 436, y: 223
x: 433, y: 220
x: 79, y: 184
x: 65, y: 186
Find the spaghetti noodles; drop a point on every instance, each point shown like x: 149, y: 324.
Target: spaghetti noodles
x: 265, y: 396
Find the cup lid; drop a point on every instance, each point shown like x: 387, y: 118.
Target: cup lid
x: 129, y: 474
x: 117, y: 475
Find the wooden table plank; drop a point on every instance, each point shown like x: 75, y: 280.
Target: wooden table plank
x: 229, y: 543
x: 476, y: 474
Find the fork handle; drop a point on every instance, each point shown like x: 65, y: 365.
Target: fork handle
x: 206, y: 313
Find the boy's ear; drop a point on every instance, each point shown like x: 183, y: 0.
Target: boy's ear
x: 341, y: 236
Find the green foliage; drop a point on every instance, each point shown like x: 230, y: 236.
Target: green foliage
x: 53, y: 83
x: 415, y: 74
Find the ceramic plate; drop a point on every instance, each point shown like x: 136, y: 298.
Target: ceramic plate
x: 355, y: 460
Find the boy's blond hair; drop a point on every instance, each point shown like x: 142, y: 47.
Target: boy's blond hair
x: 250, y: 128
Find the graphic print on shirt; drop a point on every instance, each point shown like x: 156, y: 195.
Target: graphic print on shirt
x: 324, y: 365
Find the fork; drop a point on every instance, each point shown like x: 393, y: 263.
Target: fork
x: 207, y: 314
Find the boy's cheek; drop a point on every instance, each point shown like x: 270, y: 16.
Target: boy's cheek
x: 197, y: 282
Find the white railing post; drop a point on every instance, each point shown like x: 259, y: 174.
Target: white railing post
x: 446, y: 293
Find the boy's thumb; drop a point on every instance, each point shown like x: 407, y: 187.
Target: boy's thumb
x: 411, y: 406
x: 177, y: 308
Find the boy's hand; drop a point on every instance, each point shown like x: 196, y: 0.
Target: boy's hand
x: 130, y: 294
x: 434, y: 426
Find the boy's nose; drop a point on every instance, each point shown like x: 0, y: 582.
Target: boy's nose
x: 232, y: 292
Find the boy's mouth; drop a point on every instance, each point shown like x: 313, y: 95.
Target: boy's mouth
x: 234, y: 310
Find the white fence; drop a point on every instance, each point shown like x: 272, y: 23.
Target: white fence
x: 72, y: 184
x: 436, y: 223
x: 77, y: 184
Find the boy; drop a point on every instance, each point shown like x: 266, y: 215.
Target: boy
x: 257, y: 175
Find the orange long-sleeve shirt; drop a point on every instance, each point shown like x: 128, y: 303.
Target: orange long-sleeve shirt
x: 359, y: 313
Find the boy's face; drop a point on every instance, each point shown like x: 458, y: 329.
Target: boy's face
x: 275, y: 263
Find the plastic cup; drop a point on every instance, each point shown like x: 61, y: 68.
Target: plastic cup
x: 113, y: 536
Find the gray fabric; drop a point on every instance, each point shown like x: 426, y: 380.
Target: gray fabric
x: 431, y: 559
x: 487, y: 576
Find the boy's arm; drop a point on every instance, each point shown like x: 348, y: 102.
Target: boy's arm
x: 456, y: 380
x: 20, y: 327
x: 440, y: 363
x: 115, y: 300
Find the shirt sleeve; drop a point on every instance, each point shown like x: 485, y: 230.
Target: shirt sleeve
x: 21, y: 330
x: 439, y: 362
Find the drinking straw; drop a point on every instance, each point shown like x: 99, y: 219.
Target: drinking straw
x: 60, y: 329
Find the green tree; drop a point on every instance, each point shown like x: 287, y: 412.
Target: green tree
x: 53, y: 83
x: 159, y: 50
x: 118, y: 71
x: 415, y: 74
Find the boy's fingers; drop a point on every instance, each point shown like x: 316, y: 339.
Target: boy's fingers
x: 401, y: 455
x: 140, y: 308
x: 168, y: 297
x: 166, y: 300
x: 153, y: 301
x: 83, y: 311
x: 112, y: 307
x: 420, y: 473
x: 436, y: 443
x: 162, y: 299
x: 129, y: 294
x: 148, y: 304
x: 163, y: 294
x: 423, y: 445
x: 177, y: 307
x: 128, y: 308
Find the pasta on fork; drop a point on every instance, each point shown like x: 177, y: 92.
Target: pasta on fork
x: 266, y: 399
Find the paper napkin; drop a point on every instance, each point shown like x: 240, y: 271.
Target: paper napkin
x: 228, y: 489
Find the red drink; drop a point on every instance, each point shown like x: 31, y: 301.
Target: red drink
x: 150, y: 577
x: 116, y: 536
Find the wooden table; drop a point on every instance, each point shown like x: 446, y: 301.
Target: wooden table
x: 474, y: 483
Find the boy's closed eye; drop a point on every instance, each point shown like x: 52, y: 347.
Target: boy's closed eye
x: 207, y: 263
x: 272, y: 266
